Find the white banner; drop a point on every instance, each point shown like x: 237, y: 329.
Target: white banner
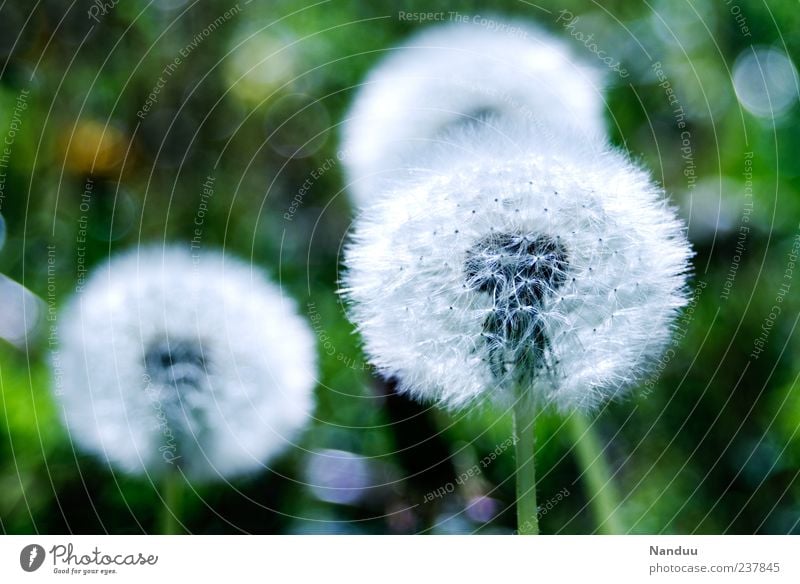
x: 389, y: 559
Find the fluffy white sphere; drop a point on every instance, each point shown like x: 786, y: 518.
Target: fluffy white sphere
x: 453, y: 74
x: 171, y: 359
x: 507, y: 259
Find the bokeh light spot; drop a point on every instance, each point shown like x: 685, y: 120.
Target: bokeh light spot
x: 765, y: 81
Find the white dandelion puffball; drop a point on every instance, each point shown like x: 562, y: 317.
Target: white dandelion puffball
x: 171, y: 360
x: 460, y: 73
x: 511, y: 261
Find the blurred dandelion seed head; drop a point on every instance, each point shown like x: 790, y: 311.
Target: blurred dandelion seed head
x: 461, y: 74
x: 196, y: 361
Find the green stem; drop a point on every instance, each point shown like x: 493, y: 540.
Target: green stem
x: 172, y: 494
x: 527, y: 510
x: 600, y: 488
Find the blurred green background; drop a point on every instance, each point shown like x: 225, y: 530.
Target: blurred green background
x: 712, y: 447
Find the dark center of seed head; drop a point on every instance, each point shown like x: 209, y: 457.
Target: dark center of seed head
x: 178, y: 368
x: 518, y: 272
x: 521, y: 269
x: 175, y: 363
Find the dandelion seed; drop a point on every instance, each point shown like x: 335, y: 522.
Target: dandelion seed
x: 560, y: 289
x: 169, y: 360
x: 463, y: 74
x: 578, y: 289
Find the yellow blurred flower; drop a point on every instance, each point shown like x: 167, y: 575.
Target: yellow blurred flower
x: 94, y: 147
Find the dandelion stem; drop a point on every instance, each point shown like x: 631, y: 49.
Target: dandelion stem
x: 600, y: 488
x: 527, y: 510
x: 172, y: 495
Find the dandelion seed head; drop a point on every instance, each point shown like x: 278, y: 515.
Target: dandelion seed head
x: 463, y: 74
x: 567, y: 278
x: 169, y: 359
